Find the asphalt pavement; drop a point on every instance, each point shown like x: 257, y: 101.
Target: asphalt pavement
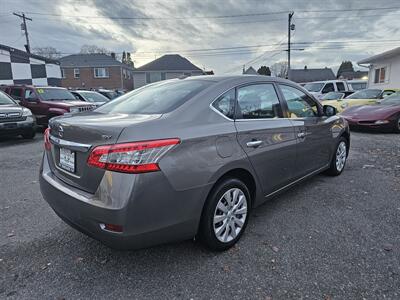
x: 328, y: 238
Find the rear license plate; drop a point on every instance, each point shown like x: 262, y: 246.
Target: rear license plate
x: 67, y: 160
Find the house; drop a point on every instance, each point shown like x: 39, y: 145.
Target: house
x: 20, y: 67
x: 310, y: 75
x: 354, y: 75
x: 166, y: 67
x: 384, y: 69
x: 250, y: 71
x: 92, y: 71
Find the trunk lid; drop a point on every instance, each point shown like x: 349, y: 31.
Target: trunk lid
x: 74, y: 136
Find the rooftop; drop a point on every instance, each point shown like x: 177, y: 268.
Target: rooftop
x: 169, y: 62
x: 381, y: 56
x: 310, y: 75
x: 90, y: 60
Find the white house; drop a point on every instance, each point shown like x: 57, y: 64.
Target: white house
x: 166, y: 67
x: 384, y: 69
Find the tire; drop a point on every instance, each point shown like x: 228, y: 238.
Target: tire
x: 224, y: 234
x: 339, y: 158
x: 397, y: 125
x: 29, y: 135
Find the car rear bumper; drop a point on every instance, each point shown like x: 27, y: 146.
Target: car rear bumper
x: 154, y: 213
x: 18, y: 127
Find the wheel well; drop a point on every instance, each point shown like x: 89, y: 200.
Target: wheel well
x: 244, y: 176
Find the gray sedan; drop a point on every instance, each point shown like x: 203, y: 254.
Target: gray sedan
x: 187, y: 158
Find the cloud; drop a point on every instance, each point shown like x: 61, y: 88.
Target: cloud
x: 75, y: 23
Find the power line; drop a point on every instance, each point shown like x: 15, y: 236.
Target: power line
x: 215, y: 17
x: 25, y: 29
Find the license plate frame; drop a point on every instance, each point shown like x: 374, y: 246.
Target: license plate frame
x: 67, y: 160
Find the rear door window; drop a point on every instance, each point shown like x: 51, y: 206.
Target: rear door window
x: 340, y: 86
x: 258, y: 101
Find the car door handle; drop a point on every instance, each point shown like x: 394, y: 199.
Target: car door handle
x: 253, y: 144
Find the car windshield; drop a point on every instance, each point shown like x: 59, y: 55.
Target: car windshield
x: 93, y: 96
x: 392, y: 99
x: 366, y: 94
x: 4, y: 99
x: 54, y: 94
x: 332, y: 96
x: 314, y: 87
x: 156, y: 98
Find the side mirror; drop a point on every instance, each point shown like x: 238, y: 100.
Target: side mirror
x: 329, y: 110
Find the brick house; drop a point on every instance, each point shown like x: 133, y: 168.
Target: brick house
x: 95, y: 71
x: 166, y: 67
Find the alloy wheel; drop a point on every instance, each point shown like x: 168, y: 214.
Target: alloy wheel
x: 230, y: 215
x: 341, y: 155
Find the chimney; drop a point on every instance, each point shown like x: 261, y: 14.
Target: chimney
x: 305, y: 67
x: 113, y: 55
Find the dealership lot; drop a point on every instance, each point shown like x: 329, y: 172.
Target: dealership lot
x: 327, y: 238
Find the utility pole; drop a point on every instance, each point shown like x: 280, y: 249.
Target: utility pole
x: 25, y: 29
x: 290, y: 28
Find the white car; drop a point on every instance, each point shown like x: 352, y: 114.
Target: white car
x: 319, y: 88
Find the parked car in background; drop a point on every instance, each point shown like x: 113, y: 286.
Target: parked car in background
x: 384, y: 115
x: 356, y: 85
x: 90, y: 96
x: 108, y: 93
x: 336, y: 95
x: 47, y: 102
x: 363, y: 97
x: 187, y: 157
x: 15, y: 119
x: 319, y: 88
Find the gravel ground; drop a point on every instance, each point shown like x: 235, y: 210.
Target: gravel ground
x: 328, y: 238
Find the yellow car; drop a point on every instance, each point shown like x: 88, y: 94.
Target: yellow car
x: 362, y: 97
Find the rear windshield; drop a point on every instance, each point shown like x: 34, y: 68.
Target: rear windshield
x: 157, y: 98
x: 366, y: 94
x: 54, y: 94
x: 4, y: 99
x: 93, y: 96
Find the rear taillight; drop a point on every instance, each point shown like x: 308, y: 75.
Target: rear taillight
x: 137, y: 157
x: 46, y: 136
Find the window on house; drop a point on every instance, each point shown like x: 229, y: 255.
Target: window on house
x: 77, y: 73
x: 63, y: 75
x: 380, y: 75
x: 101, y: 73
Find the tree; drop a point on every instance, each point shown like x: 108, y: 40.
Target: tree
x: 129, y: 59
x: 279, y: 69
x: 48, y: 52
x: 346, y: 66
x: 264, y: 70
x: 93, y: 49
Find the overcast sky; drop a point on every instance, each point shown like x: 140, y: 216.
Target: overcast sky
x: 149, y: 28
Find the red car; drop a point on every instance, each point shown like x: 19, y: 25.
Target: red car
x: 384, y: 116
x: 46, y: 102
